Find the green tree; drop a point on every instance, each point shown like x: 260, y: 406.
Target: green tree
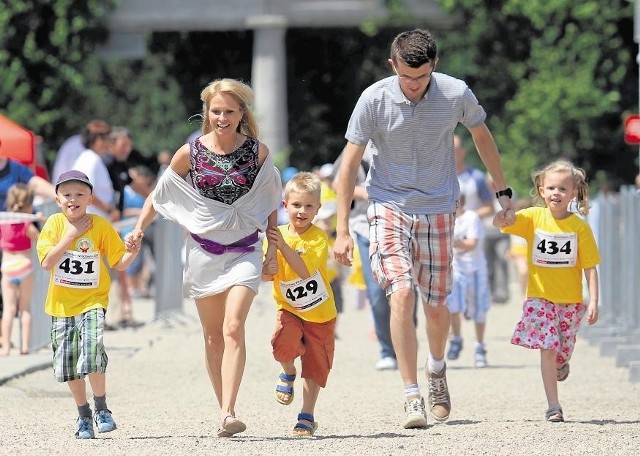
x: 53, y: 80
x: 555, y: 77
x: 44, y: 46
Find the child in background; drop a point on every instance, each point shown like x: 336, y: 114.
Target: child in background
x: 306, y: 312
x: 560, y: 248
x: 470, y: 293
x: 74, y: 247
x: 17, y: 269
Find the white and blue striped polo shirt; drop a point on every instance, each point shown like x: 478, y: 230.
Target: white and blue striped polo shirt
x: 413, y: 164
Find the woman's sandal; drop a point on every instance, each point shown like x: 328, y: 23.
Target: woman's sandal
x: 231, y: 425
x: 285, y: 389
x: 306, y: 426
x: 554, y: 414
x: 562, y: 372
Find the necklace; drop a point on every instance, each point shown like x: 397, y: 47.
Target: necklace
x: 216, y: 148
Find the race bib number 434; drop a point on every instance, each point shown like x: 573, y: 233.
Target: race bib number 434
x: 78, y: 270
x: 555, y: 250
x: 305, y: 294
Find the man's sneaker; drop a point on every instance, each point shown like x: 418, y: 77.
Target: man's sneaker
x: 104, y: 421
x: 439, y: 400
x: 480, y: 357
x: 84, y: 428
x: 455, y: 347
x: 387, y: 363
x: 416, y: 415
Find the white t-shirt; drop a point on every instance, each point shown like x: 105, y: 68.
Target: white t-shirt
x: 469, y: 226
x: 92, y: 165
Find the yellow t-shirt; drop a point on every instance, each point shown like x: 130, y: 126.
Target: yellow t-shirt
x: 310, y: 299
x: 557, y: 252
x: 80, y: 281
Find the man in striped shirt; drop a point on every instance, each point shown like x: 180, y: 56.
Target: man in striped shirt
x: 410, y: 118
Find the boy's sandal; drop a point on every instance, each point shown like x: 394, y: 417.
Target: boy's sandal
x: 554, y: 414
x: 285, y: 389
x: 306, y: 426
x: 231, y: 425
x: 562, y: 373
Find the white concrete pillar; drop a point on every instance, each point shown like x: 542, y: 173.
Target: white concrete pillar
x: 269, y: 82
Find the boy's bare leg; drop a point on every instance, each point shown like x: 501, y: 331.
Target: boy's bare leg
x: 403, y: 334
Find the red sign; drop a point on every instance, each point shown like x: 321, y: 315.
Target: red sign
x: 632, y: 129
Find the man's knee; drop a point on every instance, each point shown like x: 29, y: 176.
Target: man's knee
x: 402, y: 303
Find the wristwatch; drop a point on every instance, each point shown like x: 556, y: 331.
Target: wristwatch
x: 506, y: 192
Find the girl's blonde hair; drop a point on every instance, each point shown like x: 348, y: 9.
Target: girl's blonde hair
x: 579, y: 181
x: 19, y: 198
x: 303, y: 182
x: 242, y: 93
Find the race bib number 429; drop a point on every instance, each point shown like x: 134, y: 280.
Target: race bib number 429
x: 305, y: 294
x: 78, y: 270
x: 555, y: 250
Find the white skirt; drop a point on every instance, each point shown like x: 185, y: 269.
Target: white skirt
x: 206, y: 274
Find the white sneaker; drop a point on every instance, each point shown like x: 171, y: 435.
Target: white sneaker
x: 480, y: 357
x: 387, y: 363
x: 416, y: 414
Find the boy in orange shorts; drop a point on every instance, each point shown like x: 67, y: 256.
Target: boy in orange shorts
x: 306, y: 310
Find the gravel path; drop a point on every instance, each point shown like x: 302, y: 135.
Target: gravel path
x: 164, y: 405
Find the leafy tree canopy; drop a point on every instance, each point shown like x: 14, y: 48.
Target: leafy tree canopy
x: 555, y: 77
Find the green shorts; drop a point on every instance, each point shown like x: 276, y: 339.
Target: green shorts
x: 78, y: 347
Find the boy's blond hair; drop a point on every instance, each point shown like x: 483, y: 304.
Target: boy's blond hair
x: 303, y: 182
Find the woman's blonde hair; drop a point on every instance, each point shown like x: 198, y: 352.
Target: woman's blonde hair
x: 579, y: 181
x: 19, y: 198
x: 242, y: 93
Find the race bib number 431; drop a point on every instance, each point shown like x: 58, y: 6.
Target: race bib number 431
x: 305, y: 294
x: 555, y: 250
x: 78, y: 270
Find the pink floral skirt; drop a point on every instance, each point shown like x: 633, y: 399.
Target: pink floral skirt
x: 548, y: 326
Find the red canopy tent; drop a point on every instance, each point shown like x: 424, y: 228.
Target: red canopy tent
x: 16, y: 142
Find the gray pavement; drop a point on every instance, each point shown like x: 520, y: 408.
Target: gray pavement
x: 163, y: 403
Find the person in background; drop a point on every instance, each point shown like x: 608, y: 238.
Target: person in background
x: 410, y: 119
x: 306, y: 311
x: 12, y: 172
x: 223, y: 188
x: 561, y: 249
x: 496, y: 250
x: 118, y: 152
x: 473, y: 184
x: 71, y: 245
x: 17, y: 269
x: 116, y: 160
x: 470, y: 293
x: 69, y: 152
x: 135, y: 194
x: 95, y: 137
x: 164, y: 159
x: 325, y: 219
x: 480, y: 199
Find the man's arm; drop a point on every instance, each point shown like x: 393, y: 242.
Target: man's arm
x: 352, y: 156
x: 42, y: 188
x: 488, y: 151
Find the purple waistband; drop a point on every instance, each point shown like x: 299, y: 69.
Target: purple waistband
x: 242, y: 246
